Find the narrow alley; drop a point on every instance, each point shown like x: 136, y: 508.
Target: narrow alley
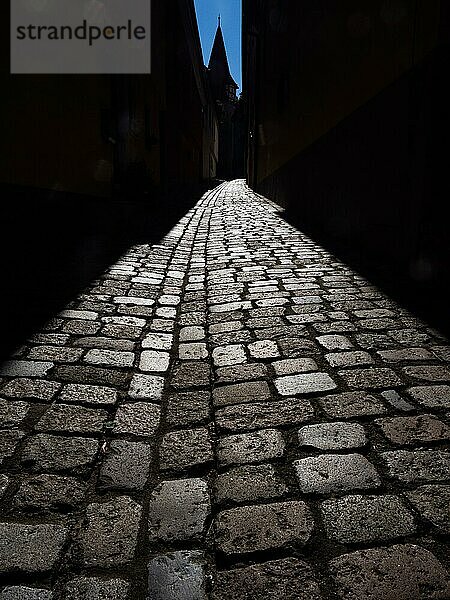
x: 230, y: 414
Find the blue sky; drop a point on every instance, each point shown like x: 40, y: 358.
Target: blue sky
x: 230, y: 12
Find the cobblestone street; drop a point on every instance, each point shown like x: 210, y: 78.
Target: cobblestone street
x: 231, y: 414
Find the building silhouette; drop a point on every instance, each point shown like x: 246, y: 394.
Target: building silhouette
x: 122, y: 136
x: 224, y: 92
x: 348, y: 122
x: 91, y: 163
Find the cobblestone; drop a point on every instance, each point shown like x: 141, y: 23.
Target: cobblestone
x: 85, y: 315
x: 88, y: 394
x: 370, y: 378
x: 432, y: 502
x: 418, y: 465
x: 192, y: 334
x: 335, y: 327
x: 154, y: 361
x: 282, y: 331
x: 91, y: 375
x: 258, y: 415
x: 431, y: 373
x: 351, y: 404
x: 55, y: 354
x: 335, y: 342
x: 25, y: 593
x: 249, y: 484
x: 233, y: 338
x: 397, y: 401
x: 406, y: 355
x: 12, y: 414
x: 137, y: 418
x: 9, y: 441
x: 410, y: 430
x: 252, y: 391
x: 121, y: 331
x: 49, y: 493
x: 104, y: 343
x: 126, y: 466
x: 34, y: 389
x: 252, y: 447
x: 375, y: 574
x: 362, y: 519
x: 75, y: 419
x: 190, y: 374
x: 178, y: 510
x: 158, y: 341
x: 245, y: 372
x: 297, y: 347
x: 229, y: 355
x: 304, y: 384
x: 30, y: 548
x: 110, y: 358
x: 175, y: 432
x: 192, y: 318
x: 193, y: 351
x: 45, y: 452
x: 333, y: 436
x: 109, y: 536
x: 335, y: 473
x: 433, y: 396
x: 442, y: 352
x: 349, y: 359
x: 178, y: 576
x: 188, y: 448
x: 373, y: 341
x: 257, y: 528
x: 131, y: 321
x: 146, y: 387
x: 294, y: 365
x: 4, y: 481
x: 93, y: 588
x: 133, y: 301
x: 286, y: 579
x: 188, y: 408
x: 81, y: 327
x: 264, y: 349
x: 225, y: 327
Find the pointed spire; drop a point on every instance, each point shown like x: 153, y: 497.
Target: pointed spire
x: 218, y: 62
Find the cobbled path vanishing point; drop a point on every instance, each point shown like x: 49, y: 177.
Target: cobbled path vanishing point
x: 232, y: 414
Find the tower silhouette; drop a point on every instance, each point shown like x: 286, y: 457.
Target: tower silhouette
x: 224, y: 90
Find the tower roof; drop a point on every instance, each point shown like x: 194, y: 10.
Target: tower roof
x: 218, y: 62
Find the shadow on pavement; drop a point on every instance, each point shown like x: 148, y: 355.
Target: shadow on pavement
x: 423, y: 292
x: 53, y: 247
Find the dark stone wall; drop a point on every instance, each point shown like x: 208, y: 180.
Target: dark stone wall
x: 375, y: 189
x: 101, y: 135
x: 93, y: 164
